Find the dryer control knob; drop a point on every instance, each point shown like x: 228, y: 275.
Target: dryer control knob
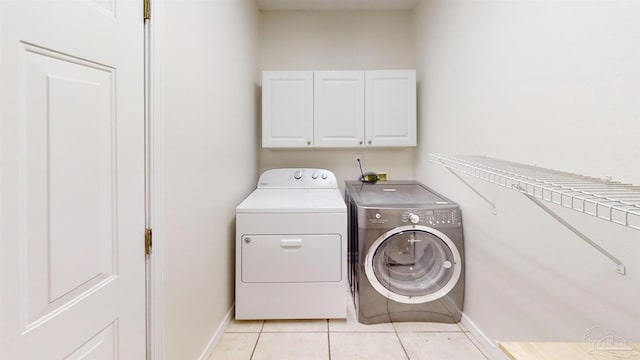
x: 297, y: 174
x: 414, y: 218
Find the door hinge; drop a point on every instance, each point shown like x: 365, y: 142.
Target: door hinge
x: 148, y: 241
x: 147, y: 9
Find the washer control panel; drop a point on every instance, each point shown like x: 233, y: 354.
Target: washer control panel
x: 400, y: 217
x: 431, y: 217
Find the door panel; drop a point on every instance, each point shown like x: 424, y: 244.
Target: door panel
x: 70, y: 238
x: 391, y: 108
x: 102, y: 346
x: 291, y: 258
x: 287, y: 108
x: 338, y: 108
x: 72, y: 184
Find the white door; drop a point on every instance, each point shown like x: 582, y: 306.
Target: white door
x: 72, y: 182
x: 391, y: 108
x: 338, y: 108
x: 287, y: 109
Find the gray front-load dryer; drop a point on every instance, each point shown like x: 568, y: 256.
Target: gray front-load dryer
x: 405, y: 253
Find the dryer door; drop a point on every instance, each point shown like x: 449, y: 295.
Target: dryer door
x: 413, y: 264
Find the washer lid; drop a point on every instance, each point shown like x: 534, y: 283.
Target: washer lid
x: 267, y: 200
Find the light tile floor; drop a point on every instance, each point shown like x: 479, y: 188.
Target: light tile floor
x: 346, y: 340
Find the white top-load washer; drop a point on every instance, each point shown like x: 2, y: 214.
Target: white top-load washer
x: 291, y: 247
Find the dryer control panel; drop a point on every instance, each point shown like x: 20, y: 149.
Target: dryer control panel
x: 298, y: 178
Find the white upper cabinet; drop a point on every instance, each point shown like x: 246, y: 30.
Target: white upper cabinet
x: 391, y: 108
x: 287, y: 109
x: 339, y: 109
x: 338, y: 114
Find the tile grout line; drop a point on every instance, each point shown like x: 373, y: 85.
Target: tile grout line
x: 400, y: 341
x: 476, y: 346
x: 329, y: 338
x: 255, y: 346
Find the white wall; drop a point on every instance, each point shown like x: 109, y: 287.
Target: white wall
x: 209, y: 160
x: 555, y: 83
x: 338, y: 41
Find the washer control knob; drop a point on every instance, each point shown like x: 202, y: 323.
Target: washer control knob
x: 297, y: 174
x: 314, y: 175
x: 378, y: 216
x: 414, y: 218
x: 324, y: 176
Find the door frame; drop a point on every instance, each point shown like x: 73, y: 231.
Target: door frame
x: 154, y: 121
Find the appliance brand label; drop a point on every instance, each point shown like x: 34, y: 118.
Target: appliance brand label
x: 378, y: 221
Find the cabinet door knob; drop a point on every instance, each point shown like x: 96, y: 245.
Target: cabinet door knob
x: 360, y: 142
x: 308, y: 142
x: 369, y: 141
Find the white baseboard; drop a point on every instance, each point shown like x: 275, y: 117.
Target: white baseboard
x: 488, y: 344
x: 217, y: 335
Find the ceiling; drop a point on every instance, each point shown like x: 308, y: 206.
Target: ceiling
x: 336, y: 5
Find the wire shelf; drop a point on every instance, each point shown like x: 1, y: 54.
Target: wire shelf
x: 607, y: 200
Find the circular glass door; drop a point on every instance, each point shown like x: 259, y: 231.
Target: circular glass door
x: 413, y: 264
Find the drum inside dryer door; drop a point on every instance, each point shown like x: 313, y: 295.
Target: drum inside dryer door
x: 413, y: 265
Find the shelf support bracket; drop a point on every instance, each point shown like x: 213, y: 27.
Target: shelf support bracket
x: 620, y: 268
x: 493, y: 206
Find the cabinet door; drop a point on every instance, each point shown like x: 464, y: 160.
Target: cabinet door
x: 390, y: 108
x: 287, y: 108
x: 338, y: 108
